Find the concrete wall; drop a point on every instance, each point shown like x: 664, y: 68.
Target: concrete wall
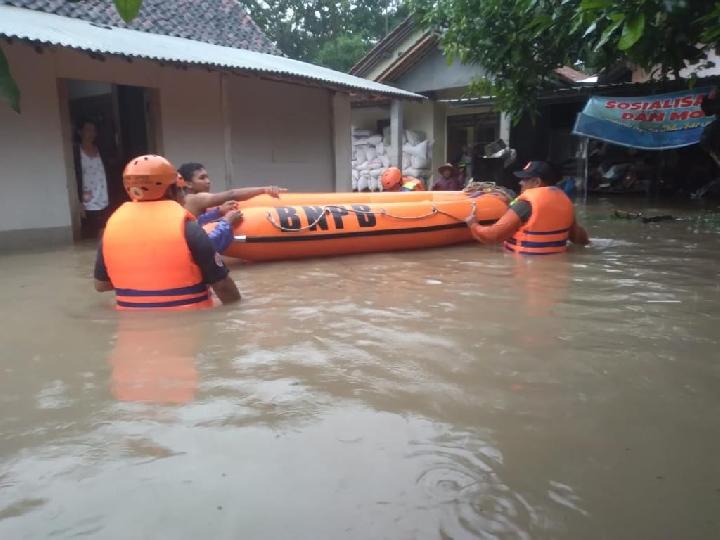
x: 367, y: 117
x: 281, y: 133
x: 420, y: 117
x: 32, y: 175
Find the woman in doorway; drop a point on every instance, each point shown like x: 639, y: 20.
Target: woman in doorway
x: 92, y: 180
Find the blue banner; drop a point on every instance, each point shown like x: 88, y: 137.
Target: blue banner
x: 658, y: 122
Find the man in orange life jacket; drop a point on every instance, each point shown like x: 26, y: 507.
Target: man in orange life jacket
x: 393, y: 180
x: 153, y: 253
x: 539, y: 222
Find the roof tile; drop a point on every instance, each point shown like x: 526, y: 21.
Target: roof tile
x: 220, y: 22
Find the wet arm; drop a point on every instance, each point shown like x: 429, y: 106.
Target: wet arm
x: 498, y: 232
x: 226, y: 290
x: 197, y: 203
x: 212, y: 268
x: 101, y: 277
x: 578, y: 235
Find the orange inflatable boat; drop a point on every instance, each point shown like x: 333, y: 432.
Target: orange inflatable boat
x: 311, y: 225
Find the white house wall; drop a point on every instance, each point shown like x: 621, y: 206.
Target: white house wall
x: 281, y: 133
x: 190, y: 108
x: 32, y: 167
x: 367, y: 117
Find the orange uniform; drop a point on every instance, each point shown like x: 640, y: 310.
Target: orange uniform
x: 547, y: 230
x: 148, y: 259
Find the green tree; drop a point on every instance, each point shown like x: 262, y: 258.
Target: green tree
x: 519, y: 43
x: 323, y: 31
x: 342, y: 52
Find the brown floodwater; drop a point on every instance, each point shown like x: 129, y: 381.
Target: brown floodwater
x: 453, y: 393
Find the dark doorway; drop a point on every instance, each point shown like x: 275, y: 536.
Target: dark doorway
x: 469, y: 133
x: 120, y: 119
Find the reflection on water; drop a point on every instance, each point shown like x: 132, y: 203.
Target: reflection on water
x: 453, y: 393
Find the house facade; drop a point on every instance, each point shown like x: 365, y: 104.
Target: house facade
x: 410, y: 58
x: 220, y: 95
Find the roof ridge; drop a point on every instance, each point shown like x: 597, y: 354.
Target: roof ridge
x: 371, y: 58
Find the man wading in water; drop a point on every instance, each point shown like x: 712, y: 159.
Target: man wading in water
x: 221, y: 207
x: 539, y: 222
x: 153, y: 253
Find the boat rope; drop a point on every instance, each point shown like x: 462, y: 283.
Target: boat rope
x: 327, y: 210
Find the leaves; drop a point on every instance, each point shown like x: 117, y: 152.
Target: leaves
x: 128, y: 9
x: 519, y: 43
x: 595, y: 4
x: 9, y: 91
x: 312, y: 30
x: 632, y: 31
x: 607, y: 34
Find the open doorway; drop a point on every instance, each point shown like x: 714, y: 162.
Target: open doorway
x: 468, y: 134
x: 110, y: 125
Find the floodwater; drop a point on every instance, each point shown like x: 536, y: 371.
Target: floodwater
x: 453, y: 393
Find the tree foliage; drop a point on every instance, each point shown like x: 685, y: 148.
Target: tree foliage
x: 329, y: 33
x: 342, y: 52
x: 519, y: 43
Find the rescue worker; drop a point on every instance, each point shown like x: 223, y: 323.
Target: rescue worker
x: 153, y: 253
x: 393, y: 180
x: 539, y: 222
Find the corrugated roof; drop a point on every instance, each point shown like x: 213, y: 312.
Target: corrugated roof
x: 77, y: 34
x: 220, y: 22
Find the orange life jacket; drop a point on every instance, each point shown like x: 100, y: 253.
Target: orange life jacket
x: 148, y: 259
x: 411, y: 184
x: 548, y: 228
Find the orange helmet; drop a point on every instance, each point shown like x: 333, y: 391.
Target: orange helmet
x: 146, y: 178
x: 391, y: 178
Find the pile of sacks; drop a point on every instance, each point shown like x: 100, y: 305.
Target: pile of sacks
x: 371, y: 156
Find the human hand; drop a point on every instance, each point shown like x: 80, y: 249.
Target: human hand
x: 471, y: 220
x: 87, y: 195
x: 228, y: 206
x: 233, y: 217
x: 274, y: 191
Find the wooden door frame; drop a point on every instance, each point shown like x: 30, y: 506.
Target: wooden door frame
x: 66, y: 129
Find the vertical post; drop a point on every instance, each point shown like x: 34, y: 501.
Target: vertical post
x: 227, y: 129
x: 72, y: 187
x: 582, y: 159
x: 341, y: 130
x: 396, y: 132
